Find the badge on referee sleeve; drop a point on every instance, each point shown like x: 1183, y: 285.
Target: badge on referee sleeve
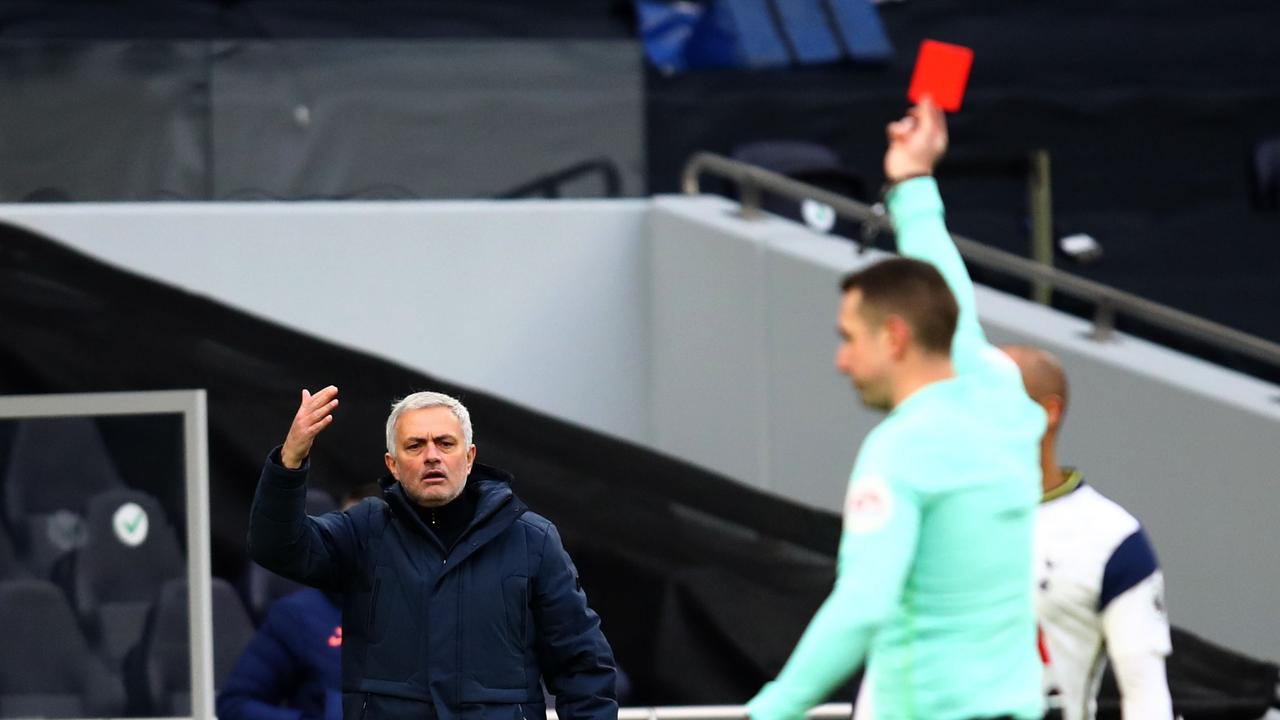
x: 868, y: 505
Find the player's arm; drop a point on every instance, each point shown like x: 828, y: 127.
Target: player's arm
x: 917, y: 143
x: 1136, y: 629
x: 876, y: 548
x: 1144, y: 687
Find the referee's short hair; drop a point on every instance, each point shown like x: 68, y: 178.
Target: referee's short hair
x: 913, y: 290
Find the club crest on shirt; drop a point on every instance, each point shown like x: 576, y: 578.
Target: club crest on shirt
x: 1157, y: 593
x: 1044, y: 575
x: 868, y: 506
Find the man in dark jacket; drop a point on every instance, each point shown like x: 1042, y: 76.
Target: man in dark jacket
x: 456, y: 599
x: 290, y: 669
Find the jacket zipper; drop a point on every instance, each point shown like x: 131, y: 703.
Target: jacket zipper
x: 457, y: 650
x: 364, y: 708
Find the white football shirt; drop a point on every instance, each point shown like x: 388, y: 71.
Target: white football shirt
x: 1100, y: 593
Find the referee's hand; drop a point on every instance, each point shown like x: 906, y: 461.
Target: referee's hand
x: 916, y: 142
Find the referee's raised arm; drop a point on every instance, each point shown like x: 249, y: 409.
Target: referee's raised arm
x: 917, y: 143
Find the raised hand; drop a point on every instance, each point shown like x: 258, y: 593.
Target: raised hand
x: 916, y: 142
x: 314, y: 415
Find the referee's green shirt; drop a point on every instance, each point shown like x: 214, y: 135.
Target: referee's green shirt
x: 933, y: 586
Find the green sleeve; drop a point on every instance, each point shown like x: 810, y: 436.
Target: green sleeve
x: 876, y: 549
x: 916, y: 210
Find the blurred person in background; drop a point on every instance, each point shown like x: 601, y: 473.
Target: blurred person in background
x: 292, y: 668
x: 1100, y: 589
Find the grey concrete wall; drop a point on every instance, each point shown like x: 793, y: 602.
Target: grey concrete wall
x: 744, y: 317
x: 541, y: 303
x: 743, y: 380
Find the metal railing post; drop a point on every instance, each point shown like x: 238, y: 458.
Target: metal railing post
x: 1104, y: 322
x: 1040, y: 207
x: 751, y: 200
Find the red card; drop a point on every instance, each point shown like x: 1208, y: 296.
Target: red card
x: 942, y: 71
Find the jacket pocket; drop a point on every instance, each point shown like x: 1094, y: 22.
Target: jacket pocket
x: 395, y: 629
x: 515, y: 595
x: 496, y: 656
x: 352, y: 705
x: 375, y: 633
x: 533, y: 711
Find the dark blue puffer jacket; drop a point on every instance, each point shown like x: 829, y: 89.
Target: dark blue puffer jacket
x: 459, y: 636
x: 290, y: 669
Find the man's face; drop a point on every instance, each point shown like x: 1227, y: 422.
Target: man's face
x: 430, y: 460
x: 865, y: 353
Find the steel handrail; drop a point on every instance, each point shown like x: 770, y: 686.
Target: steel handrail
x: 548, y: 185
x: 1107, y: 301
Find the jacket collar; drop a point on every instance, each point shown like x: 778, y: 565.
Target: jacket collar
x: 497, y: 507
x: 1072, y: 482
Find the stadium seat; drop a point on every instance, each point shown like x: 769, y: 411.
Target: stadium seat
x: 10, y: 567
x: 131, y: 551
x: 157, y: 671
x: 46, y: 666
x: 1266, y: 175
x: 55, y: 464
x: 809, y: 163
x: 263, y: 587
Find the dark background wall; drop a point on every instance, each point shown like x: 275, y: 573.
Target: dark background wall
x: 243, y: 119
x: 1151, y: 112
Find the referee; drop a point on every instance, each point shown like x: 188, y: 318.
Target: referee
x: 934, y: 578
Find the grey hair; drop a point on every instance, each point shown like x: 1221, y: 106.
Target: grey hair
x: 421, y: 400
